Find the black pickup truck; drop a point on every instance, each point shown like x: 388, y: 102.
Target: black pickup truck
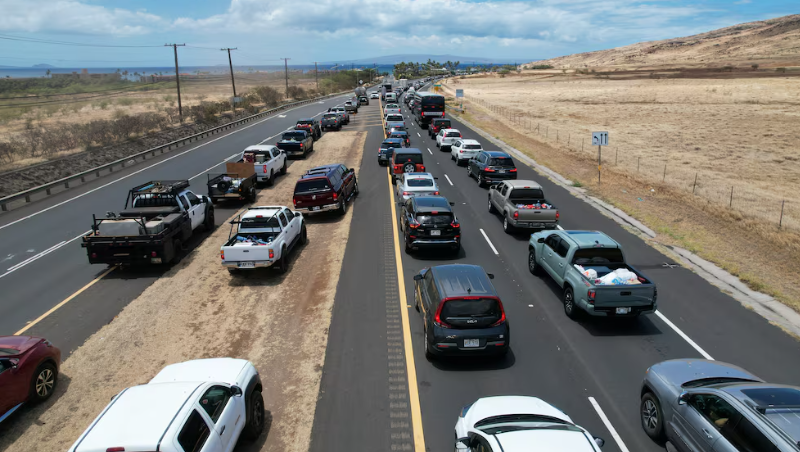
x: 296, y: 142
x: 158, y: 219
x: 310, y: 125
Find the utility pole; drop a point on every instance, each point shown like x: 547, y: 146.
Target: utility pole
x: 177, y: 77
x: 316, y: 74
x: 233, y: 83
x: 286, y: 67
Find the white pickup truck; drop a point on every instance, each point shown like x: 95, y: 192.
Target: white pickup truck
x: 201, y: 405
x: 262, y: 237
x: 267, y: 160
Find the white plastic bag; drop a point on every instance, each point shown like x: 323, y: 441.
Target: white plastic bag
x: 624, y: 274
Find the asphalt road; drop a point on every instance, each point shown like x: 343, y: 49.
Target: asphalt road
x: 563, y: 361
x: 42, y: 263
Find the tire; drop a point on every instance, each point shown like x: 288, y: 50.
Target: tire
x: 408, y: 249
x: 283, y: 263
x: 533, y: 267
x: 507, y: 227
x: 303, y: 235
x: 208, y: 223
x: 428, y: 354
x: 481, y: 182
x: 651, y: 416
x: 253, y: 194
x: 491, y: 207
x: 283, y: 168
x: 355, y: 189
x: 255, y: 417
x: 416, y: 301
x: 271, y: 180
x: 342, y: 206
x: 214, y: 201
x: 177, y: 247
x: 43, y: 382
x: 469, y: 171
x: 570, y: 308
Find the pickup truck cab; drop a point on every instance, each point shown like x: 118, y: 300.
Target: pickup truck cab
x: 262, y: 237
x: 590, y: 267
x: 491, y: 166
x: 522, y: 205
x: 296, y: 143
x: 203, y: 405
x: 325, y: 188
x: 268, y: 161
x: 463, y: 150
x: 446, y: 137
x: 159, y: 217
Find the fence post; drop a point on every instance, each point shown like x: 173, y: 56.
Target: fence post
x: 569, y: 137
x: 780, y: 222
x: 665, y: 173
x: 556, y: 135
x: 638, y: 160
x: 731, y: 204
x: 695, y: 182
x: 616, y: 155
x: 547, y: 131
x: 582, y: 140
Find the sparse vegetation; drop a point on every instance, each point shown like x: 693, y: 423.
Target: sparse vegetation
x: 542, y: 66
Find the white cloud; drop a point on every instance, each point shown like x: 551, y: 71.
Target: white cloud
x: 66, y: 16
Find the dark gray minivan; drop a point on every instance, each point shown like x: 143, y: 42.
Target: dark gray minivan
x: 462, y: 313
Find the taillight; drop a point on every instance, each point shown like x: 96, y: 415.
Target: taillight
x: 94, y: 255
x: 335, y: 196
x: 437, y: 319
x: 271, y: 253
x: 502, y: 315
x: 222, y: 254
x: 301, y: 144
x: 455, y: 224
x: 460, y: 151
x: 153, y: 254
x: 557, y: 215
x: 421, y: 168
x: 115, y: 449
x: 405, y: 193
x: 516, y: 215
x: 512, y: 170
x: 436, y: 193
x: 413, y: 224
x: 489, y: 170
x: 590, y: 296
x: 294, y: 200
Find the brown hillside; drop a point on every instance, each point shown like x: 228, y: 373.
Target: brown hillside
x: 769, y: 43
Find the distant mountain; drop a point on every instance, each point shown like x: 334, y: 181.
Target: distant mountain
x: 421, y: 58
x: 9, y: 67
x: 43, y: 66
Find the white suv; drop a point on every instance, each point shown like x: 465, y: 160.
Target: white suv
x: 463, y: 150
x: 202, y: 405
x: 446, y: 137
x: 514, y: 423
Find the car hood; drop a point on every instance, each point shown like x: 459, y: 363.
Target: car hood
x: 19, y: 344
x: 680, y: 371
x: 546, y: 441
x: 225, y: 370
x: 504, y: 405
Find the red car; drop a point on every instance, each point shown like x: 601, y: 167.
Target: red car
x: 28, y: 371
x: 406, y: 160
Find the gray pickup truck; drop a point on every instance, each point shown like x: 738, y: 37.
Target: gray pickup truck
x: 351, y: 106
x: 523, y: 205
x: 345, y: 116
x: 331, y: 121
x: 591, y: 268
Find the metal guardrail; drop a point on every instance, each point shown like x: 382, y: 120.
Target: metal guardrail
x: 64, y: 183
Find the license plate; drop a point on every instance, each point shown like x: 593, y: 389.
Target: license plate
x: 501, y: 171
x: 472, y: 342
x: 315, y: 208
x: 436, y: 232
x: 247, y: 264
x: 537, y: 225
x: 623, y: 310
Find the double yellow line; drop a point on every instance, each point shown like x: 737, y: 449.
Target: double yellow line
x: 411, y: 368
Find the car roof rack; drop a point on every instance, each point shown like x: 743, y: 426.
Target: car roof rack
x: 161, y: 186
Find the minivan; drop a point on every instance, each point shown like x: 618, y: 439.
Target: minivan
x: 461, y: 311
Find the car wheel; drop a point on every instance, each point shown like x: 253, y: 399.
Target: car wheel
x: 303, y: 235
x: 283, y: 168
x: 255, y: 417
x: 570, y: 308
x: 271, y: 180
x: 533, y: 267
x: 208, y: 223
x: 408, y: 249
x: 507, y: 227
x: 428, y: 354
x: 481, y: 182
x: 652, y: 420
x: 44, y: 382
x: 355, y: 189
x: 342, y: 206
x: 491, y: 206
x: 252, y: 194
x: 177, y: 249
x: 469, y: 171
x: 283, y: 263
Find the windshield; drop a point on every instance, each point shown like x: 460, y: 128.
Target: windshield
x: 311, y: 186
x: 419, y: 182
x: 501, y: 161
x: 403, y: 158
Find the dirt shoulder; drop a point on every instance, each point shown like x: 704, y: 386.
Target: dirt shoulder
x: 197, y: 310
x: 757, y: 252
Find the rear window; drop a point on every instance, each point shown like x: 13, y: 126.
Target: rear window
x: 403, y: 158
x: 294, y: 135
x: 484, y: 307
x: 386, y: 145
x: 444, y: 124
x: 521, y: 194
x: 501, y: 161
x: 397, y: 118
x: 304, y: 123
x: 263, y: 222
x: 441, y: 218
x: 598, y: 256
x: 419, y: 182
x: 432, y: 103
x: 455, y: 134
x: 330, y: 116
x: 472, y: 146
x: 155, y: 200
x: 312, y: 186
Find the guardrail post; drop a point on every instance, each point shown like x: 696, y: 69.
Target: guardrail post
x: 66, y: 184
x: 3, y: 207
x: 83, y: 179
x: 46, y: 191
x: 27, y: 198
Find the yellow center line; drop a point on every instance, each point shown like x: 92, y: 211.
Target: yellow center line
x: 67, y: 300
x: 411, y: 367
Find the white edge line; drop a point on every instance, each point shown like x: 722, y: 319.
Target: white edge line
x: 419, y: 135
x: 138, y: 171
x: 610, y: 427
x: 218, y: 164
x: 684, y: 336
x: 16, y: 267
x: 431, y: 153
x: 448, y: 179
x: 489, y: 242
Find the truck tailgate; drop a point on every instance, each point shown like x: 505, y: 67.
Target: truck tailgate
x: 537, y: 215
x: 291, y: 147
x: 246, y: 256
x: 624, y: 295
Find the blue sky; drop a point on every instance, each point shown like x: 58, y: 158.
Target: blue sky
x: 342, y: 30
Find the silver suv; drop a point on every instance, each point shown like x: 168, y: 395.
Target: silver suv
x: 710, y: 406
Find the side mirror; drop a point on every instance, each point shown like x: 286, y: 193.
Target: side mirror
x: 492, y: 187
x: 236, y: 391
x: 452, y: 204
x: 490, y: 275
x: 297, y: 214
x: 683, y: 398
x: 417, y: 277
x: 465, y: 441
x: 540, y: 240
x: 435, y: 178
x: 599, y: 441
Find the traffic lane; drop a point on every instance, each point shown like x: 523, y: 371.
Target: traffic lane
x: 354, y: 408
x: 694, y: 305
x: 612, y: 355
x: 72, y: 210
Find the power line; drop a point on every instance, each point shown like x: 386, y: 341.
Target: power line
x: 67, y: 43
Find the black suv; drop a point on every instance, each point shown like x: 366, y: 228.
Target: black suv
x: 462, y: 313
x: 310, y: 125
x: 325, y: 188
x: 429, y: 221
x: 491, y: 166
x: 437, y: 125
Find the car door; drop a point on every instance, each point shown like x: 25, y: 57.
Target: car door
x: 224, y: 413
x: 197, y: 434
x: 559, y: 264
x: 349, y: 177
x: 548, y: 251
x: 13, y: 389
x: 455, y: 147
x: 275, y: 159
x: 439, y: 136
x: 496, y: 195
x: 698, y: 421
x: 194, y: 207
x: 407, y: 214
x: 480, y: 165
x: 289, y: 227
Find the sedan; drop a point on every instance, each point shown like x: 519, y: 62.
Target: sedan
x: 463, y: 150
x: 374, y: 96
x: 28, y: 371
x: 416, y: 184
x: 516, y: 423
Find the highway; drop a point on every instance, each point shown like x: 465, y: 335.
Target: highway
x: 591, y: 369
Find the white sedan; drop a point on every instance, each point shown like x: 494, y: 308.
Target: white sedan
x: 374, y: 96
x: 416, y: 184
x: 463, y: 150
x: 514, y: 423
x: 446, y: 137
